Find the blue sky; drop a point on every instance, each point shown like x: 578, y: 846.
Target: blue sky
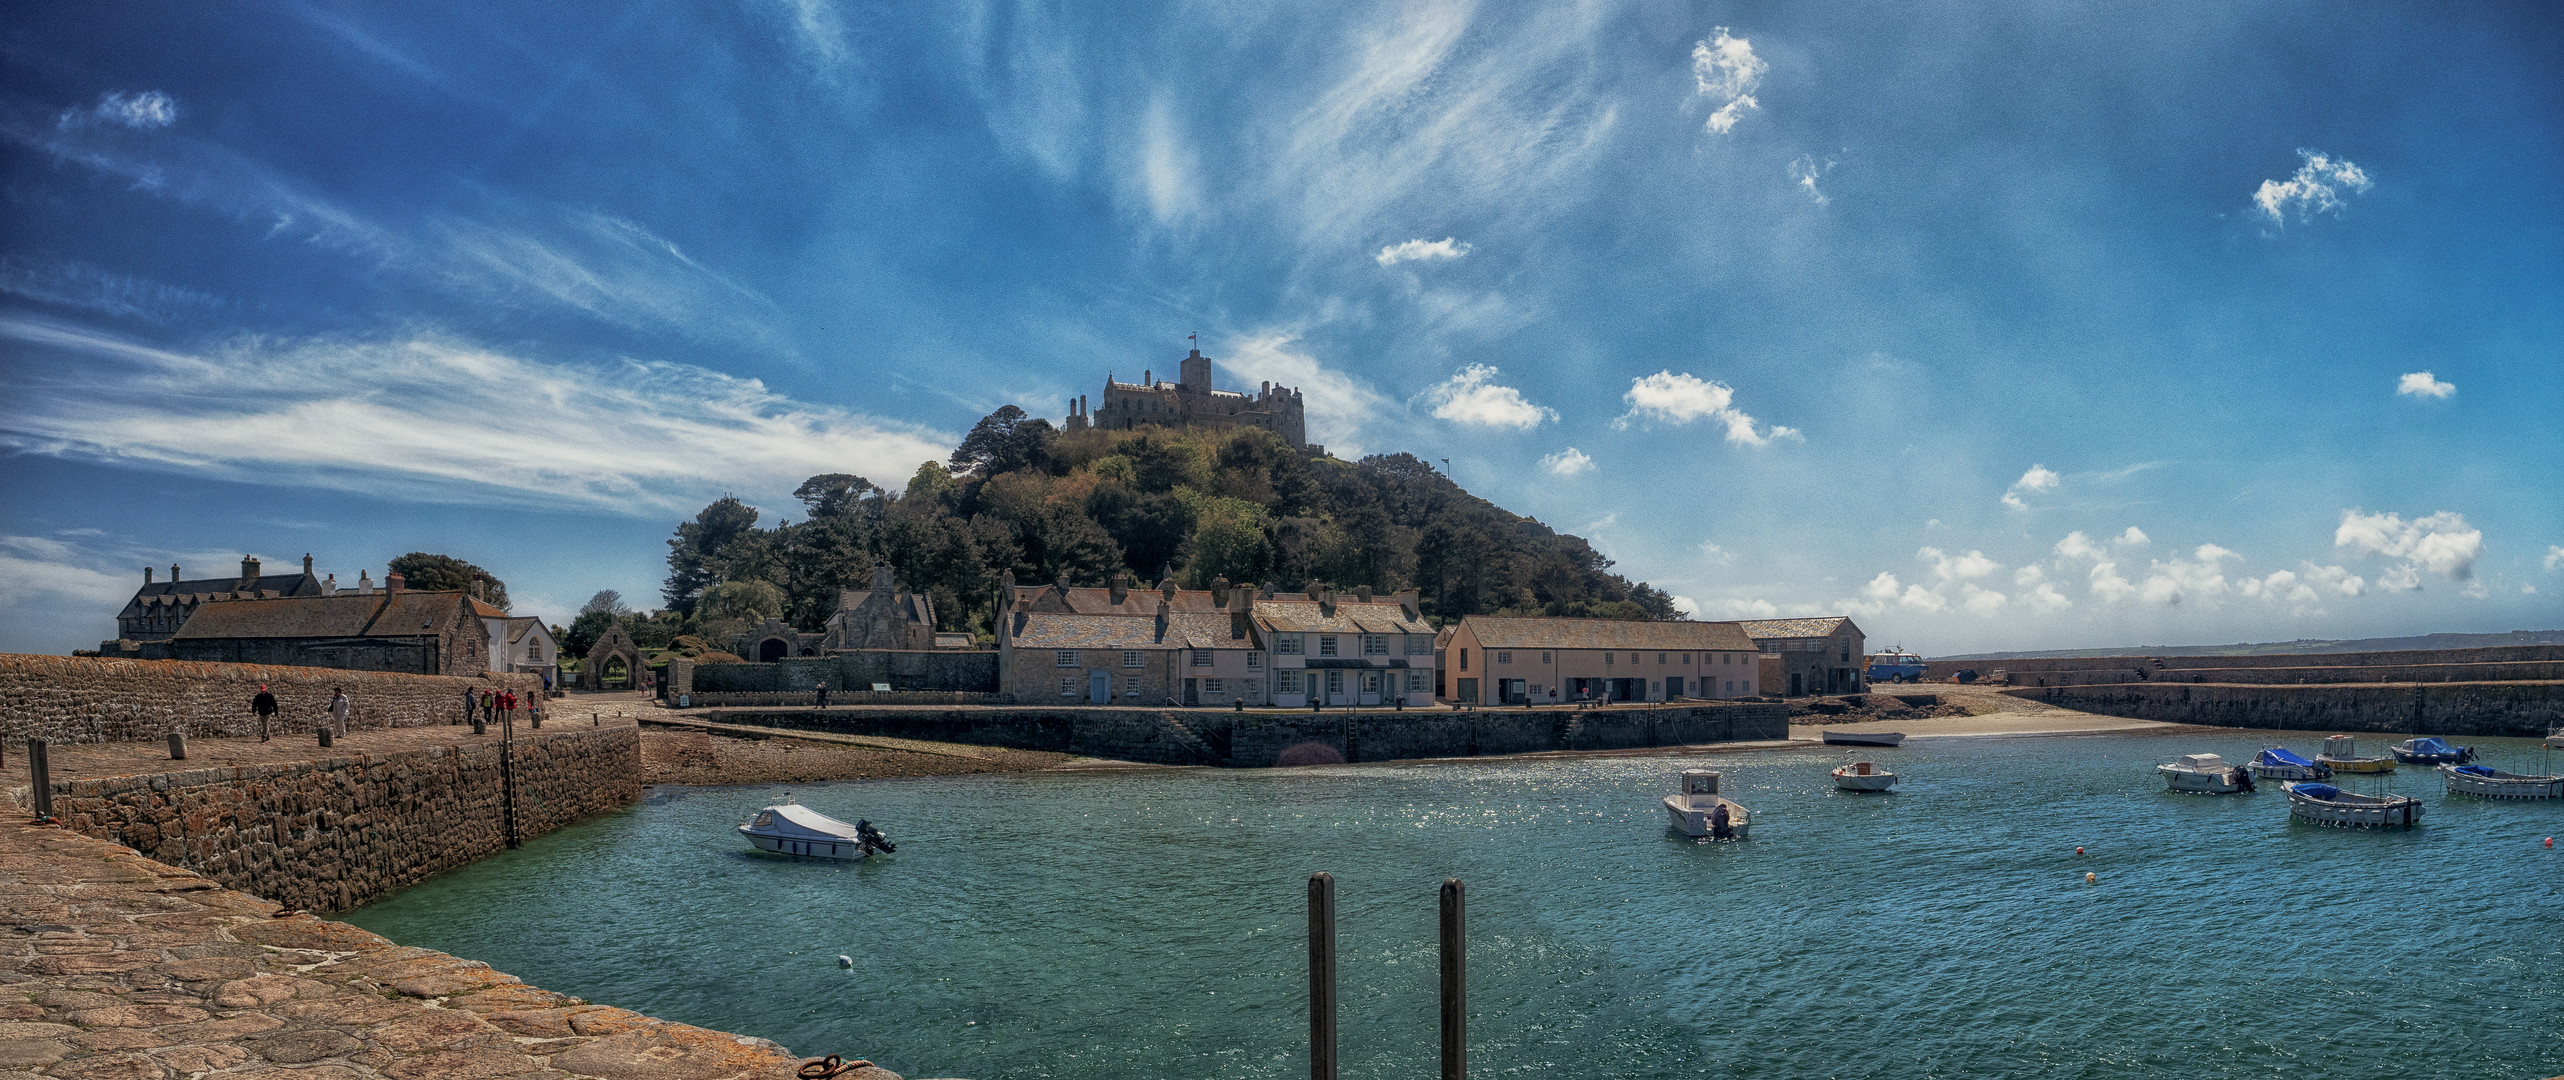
x: 2014, y: 327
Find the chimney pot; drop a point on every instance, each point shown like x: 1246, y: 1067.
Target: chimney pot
x: 173, y: 573
x: 307, y: 562
x: 391, y: 582
x: 146, y: 575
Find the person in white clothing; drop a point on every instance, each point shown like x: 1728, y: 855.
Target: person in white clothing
x: 338, y: 706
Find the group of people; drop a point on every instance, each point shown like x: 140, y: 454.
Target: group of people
x: 263, y: 706
x: 498, y: 704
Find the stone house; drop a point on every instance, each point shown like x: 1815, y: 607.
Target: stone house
x: 1494, y: 660
x: 1346, y: 648
x: 159, y: 608
x: 395, y: 629
x: 881, y: 617
x: 1118, y: 645
x: 1815, y: 656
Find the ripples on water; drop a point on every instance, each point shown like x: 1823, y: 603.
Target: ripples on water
x: 1152, y: 923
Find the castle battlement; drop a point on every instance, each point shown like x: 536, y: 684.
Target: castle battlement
x: 1191, y: 402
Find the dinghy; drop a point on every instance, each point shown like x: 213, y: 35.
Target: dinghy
x: 2205, y: 774
x: 2432, y: 750
x: 789, y: 828
x: 1864, y: 738
x: 2341, y: 752
x: 2486, y: 782
x: 1697, y: 809
x: 2280, y: 763
x: 2324, y: 804
x: 1863, y: 776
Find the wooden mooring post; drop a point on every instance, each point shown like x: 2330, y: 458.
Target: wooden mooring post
x: 40, y: 781
x: 1321, y: 976
x: 1455, y: 981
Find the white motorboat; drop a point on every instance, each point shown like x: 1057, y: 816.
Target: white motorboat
x: 2281, y: 763
x: 2324, y: 804
x: 1698, y: 810
x: 2486, y: 782
x: 789, y: 828
x: 2205, y: 773
x: 1863, y: 776
x: 1864, y: 738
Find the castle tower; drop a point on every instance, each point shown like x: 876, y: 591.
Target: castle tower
x: 1193, y: 376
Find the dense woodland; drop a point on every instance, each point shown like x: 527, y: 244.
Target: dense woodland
x: 1019, y: 494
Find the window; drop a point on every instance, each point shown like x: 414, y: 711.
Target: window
x: 1201, y: 658
x: 1289, y: 684
x: 1660, y: 658
x: 1326, y: 644
x: 1633, y: 658
x: 1131, y: 658
x: 1609, y: 658
x: 1130, y: 686
x: 1419, y: 644
x: 1415, y: 681
x: 1464, y: 659
x: 1546, y: 658
x: 1687, y: 659
x: 1286, y: 644
x: 1375, y: 645
x: 1068, y: 686
x: 1335, y: 680
x: 1847, y: 654
x: 1254, y: 661
x: 1214, y: 686
x: 1065, y: 658
x: 1504, y: 658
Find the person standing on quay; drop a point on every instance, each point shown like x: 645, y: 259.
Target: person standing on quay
x: 823, y: 693
x: 507, y: 704
x: 338, y: 705
x: 489, y: 703
x: 265, y: 706
x: 470, y: 700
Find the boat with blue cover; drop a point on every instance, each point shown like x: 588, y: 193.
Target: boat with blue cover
x: 2281, y: 763
x: 2324, y: 804
x: 2487, y: 782
x: 2432, y: 750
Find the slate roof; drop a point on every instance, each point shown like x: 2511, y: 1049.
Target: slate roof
x: 346, y: 615
x: 1192, y: 631
x: 205, y: 590
x: 913, y: 607
x: 1060, y: 630
x: 1352, y: 616
x: 1542, y: 633
x: 1099, y: 601
x: 1761, y: 629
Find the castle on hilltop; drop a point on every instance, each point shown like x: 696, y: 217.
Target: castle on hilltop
x: 1191, y: 402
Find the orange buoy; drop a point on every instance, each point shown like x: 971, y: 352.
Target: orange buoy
x: 2089, y: 878
x: 2078, y: 851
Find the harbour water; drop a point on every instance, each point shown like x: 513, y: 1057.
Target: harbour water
x: 1151, y: 924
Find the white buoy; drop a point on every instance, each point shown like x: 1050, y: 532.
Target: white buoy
x: 845, y: 961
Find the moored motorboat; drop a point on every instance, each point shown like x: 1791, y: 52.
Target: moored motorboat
x: 2206, y: 774
x: 2486, y: 782
x: 1863, y: 738
x: 2431, y: 750
x: 1863, y: 776
x: 789, y: 828
x: 1696, y: 808
x: 2281, y: 763
x: 2324, y: 804
x: 2555, y: 739
x: 2341, y: 753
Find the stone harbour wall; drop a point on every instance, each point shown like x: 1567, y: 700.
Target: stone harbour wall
x: 963, y: 670
x: 77, y: 699
x: 1257, y: 739
x: 2500, y: 654
x: 2479, y: 708
x: 331, y: 833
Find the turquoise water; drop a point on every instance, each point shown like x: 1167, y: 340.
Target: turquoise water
x: 1151, y: 924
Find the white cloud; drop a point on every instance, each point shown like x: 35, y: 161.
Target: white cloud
x: 81, y: 285
x: 1570, y: 462
x: 2078, y: 546
x: 1472, y: 396
x: 1747, y: 608
x: 1883, y: 587
x: 2133, y: 538
x: 1711, y: 552
x: 1948, y: 567
x: 2107, y: 585
x: 2029, y: 575
x: 2280, y: 585
x: 1683, y: 398
x: 2421, y: 384
x: 1985, y: 602
x: 1167, y: 164
x: 2554, y: 556
x: 2442, y: 544
x: 1726, y: 71
x: 379, y: 417
x: 2334, y: 579
x: 1339, y: 405
x: 141, y: 112
x: 2046, y: 598
x: 1806, y: 171
x: 2528, y: 590
x: 2039, y: 478
x: 2320, y: 184
x: 1922, y: 599
x: 1689, y: 607
x: 1421, y: 250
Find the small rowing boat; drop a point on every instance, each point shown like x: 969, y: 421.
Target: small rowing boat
x: 2486, y: 782
x: 1863, y: 776
x: 2281, y: 763
x: 2324, y: 804
x: 2206, y: 774
x: 789, y: 828
x: 1864, y: 738
x: 2431, y: 750
x: 1698, y: 810
x: 2341, y: 752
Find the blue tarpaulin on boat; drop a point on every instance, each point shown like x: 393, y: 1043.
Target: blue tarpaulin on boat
x: 2279, y: 755
x: 2476, y: 770
x: 2317, y: 791
x: 2429, y: 744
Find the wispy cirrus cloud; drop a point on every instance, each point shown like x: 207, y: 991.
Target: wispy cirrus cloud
x: 1472, y: 396
x: 2421, y: 384
x: 139, y: 111
x: 1806, y: 171
x: 1673, y: 398
x: 1725, y: 70
x: 2322, y: 184
x: 1340, y: 407
x: 380, y: 417
x: 1421, y: 250
x: 72, y: 283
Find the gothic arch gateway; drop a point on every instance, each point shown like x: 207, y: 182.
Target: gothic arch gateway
x: 615, y: 650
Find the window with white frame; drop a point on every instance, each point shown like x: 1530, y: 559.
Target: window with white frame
x: 1419, y: 644
x: 1130, y: 686
x: 1415, y: 681
x: 1254, y: 661
x: 1065, y: 658
x: 1201, y: 658
x: 1503, y: 658
x: 1326, y: 644
x: 1133, y: 658
x: 1375, y: 645
x: 1215, y: 686
x: 1288, y: 682
x: 1287, y: 644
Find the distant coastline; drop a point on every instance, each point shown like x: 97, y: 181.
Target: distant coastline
x: 2302, y: 646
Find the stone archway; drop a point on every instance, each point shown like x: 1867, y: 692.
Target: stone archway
x: 613, y: 650
x: 772, y: 650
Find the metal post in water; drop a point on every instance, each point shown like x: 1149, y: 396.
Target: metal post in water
x: 40, y: 778
x: 1455, y: 981
x: 1321, y: 976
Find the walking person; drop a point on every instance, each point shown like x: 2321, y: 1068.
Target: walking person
x: 823, y: 693
x: 265, y: 706
x: 338, y: 706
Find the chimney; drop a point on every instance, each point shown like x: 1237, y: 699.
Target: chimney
x: 1161, y: 618
x: 364, y: 581
x: 248, y: 573
x: 329, y: 585
x: 1121, y: 586
x: 1241, y: 612
x: 1364, y: 592
x: 307, y: 563
x: 391, y: 582
x: 1220, y: 591
x: 173, y: 573
x: 1245, y: 598
x: 1166, y: 587
x: 1410, y: 600
x: 478, y: 585
x: 146, y: 575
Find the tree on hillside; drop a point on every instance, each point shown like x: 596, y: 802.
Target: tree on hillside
x: 696, y: 551
x: 445, y: 573
x: 1005, y: 441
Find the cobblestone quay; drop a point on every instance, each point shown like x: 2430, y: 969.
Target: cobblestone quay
x: 116, y: 966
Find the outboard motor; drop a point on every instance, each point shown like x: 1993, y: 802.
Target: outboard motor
x: 873, y: 837
x: 2243, y: 779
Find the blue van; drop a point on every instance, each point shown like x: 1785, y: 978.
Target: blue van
x: 1895, y: 666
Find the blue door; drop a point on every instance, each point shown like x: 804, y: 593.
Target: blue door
x: 1099, y: 687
